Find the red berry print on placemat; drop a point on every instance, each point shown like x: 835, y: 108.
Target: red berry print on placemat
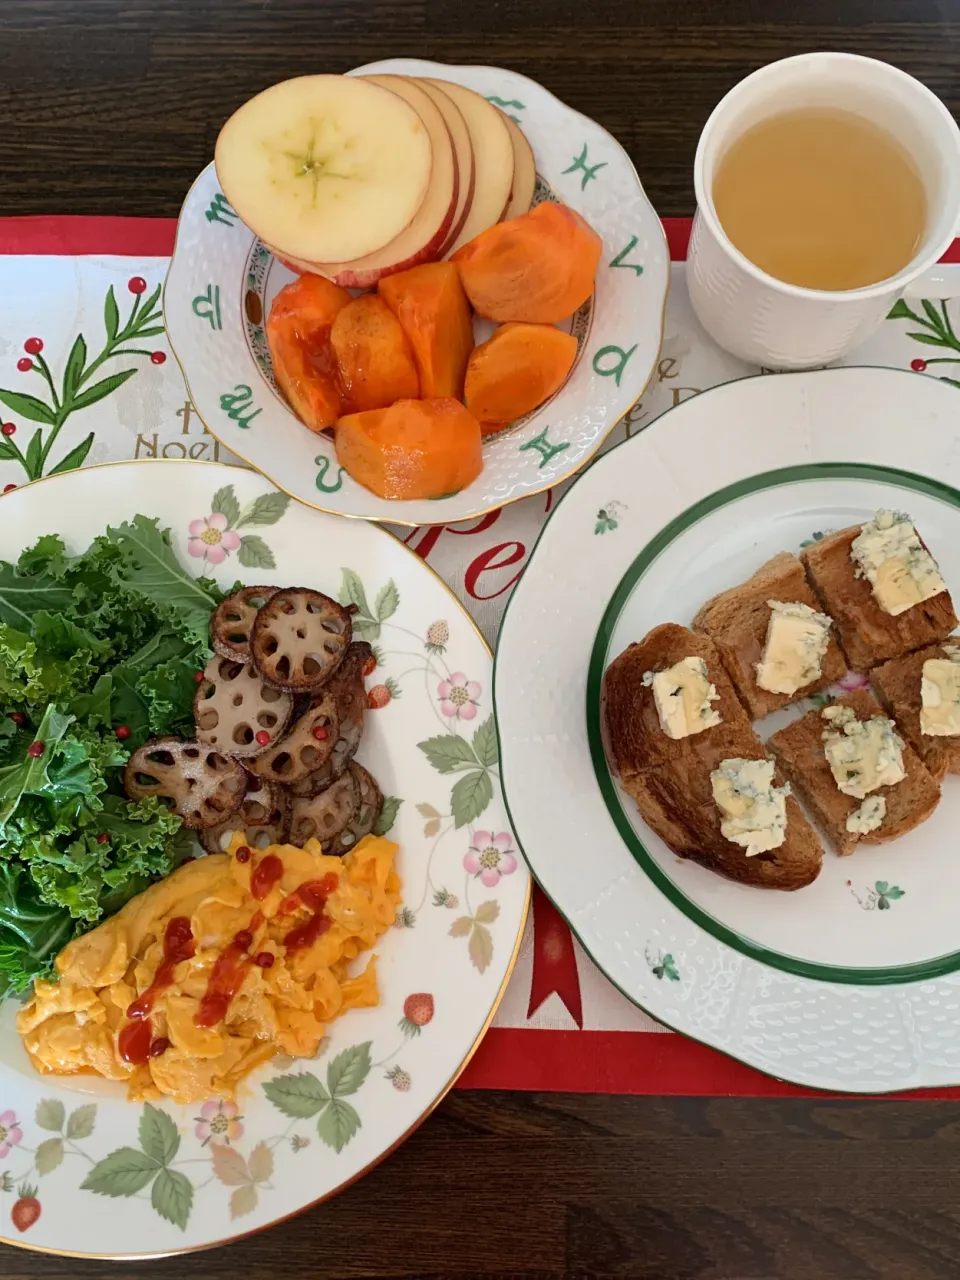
x: 78, y: 388
x: 933, y: 328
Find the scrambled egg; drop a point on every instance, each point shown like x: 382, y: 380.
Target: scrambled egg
x: 224, y: 995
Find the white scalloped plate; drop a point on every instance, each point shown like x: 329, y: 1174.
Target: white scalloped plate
x: 203, y: 1175
x: 222, y: 281
x: 852, y: 984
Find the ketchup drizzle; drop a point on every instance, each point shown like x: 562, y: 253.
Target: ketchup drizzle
x: 268, y: 871
x: 227, y: 975
x: 313, y: 894
x: 136, y: 1036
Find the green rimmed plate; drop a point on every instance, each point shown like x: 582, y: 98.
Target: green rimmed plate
x: 853, y: 983
x: 116, y: 1179
x: 222, y: 281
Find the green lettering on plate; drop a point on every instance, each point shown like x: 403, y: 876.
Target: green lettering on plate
x: 503, y: 103
x: 220, y: 211
x: 544, y: 448
x: 323, y: 462
x: 207, y: 306
x: 616, y: 371
x: 618, y: 261
x: 236, y: 404
x: 588, y: 170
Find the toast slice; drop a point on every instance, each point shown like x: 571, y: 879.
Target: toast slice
x: 897, y: 683
x: 669, y: 779
x: 737, y: 620
x: 799, y: 750
x: 867, y: 633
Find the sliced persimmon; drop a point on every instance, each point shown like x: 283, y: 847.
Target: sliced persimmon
x: 414, y: 449
x: 373, y: 356
x: 298, y: 335
x: 514, y: 371
x: 536, y: 268
x: 434, y: 313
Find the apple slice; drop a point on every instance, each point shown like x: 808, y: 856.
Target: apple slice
x: 524, y: 172
x: 492, y: 155
x: 327, y: 168
x: 424, y: 236
x: 464, y: 153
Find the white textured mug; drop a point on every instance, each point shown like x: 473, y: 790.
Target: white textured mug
x: 782, y: 326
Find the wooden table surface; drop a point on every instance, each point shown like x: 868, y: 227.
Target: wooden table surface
x: 113, y: 106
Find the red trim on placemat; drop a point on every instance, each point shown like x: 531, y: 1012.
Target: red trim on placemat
x: 78, y: 235
x: 635, y: 1062
x: 153, y: 237
x: 678, y: 237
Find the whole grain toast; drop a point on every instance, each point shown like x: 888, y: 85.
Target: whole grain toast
x: 669, y: 779
x: 897, y: 683
x: 867, y: 633
x: 737, y: 620
x: 799, y: 751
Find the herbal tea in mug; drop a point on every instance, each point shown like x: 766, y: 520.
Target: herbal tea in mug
x: 821, y: 198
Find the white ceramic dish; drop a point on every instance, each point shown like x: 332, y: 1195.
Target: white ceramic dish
x: 854, y: 982
x: 222, y: 281
x: 221, y: 1171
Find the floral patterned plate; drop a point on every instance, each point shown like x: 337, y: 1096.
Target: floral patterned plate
x: 83, y: 1171
x: 852, y: 983
x: 222, y: 281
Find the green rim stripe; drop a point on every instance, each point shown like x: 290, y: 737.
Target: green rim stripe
x: 924, y: 969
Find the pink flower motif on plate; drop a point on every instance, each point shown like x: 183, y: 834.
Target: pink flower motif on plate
x: 852, y: 680
x: 490, y: 857
x: 219, y: 1122
x: 212, y: 539
x: 458, y: 696
x: 10, y: 1133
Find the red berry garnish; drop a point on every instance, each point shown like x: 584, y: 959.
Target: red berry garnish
x: 102, y: 838
x: 36, y: 749
x: 18, y: 717
x: 918, y: 365
x: 320, y: 733
x: 8, y: 488
x: 137, y: 284
x: 158, y: 1046
x: 263, y: 738
x: 24, y: 364
x: 9, y: 428
x: 158, y: 357
x: 370, y: 666
x: 33, y: 346
x: 264, y: 959
x: 242, y: 854
x: 243, y: 939
x: 122, y: 731
x: 198, y: 676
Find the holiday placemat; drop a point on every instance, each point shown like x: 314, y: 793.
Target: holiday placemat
x: 86, y: 376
